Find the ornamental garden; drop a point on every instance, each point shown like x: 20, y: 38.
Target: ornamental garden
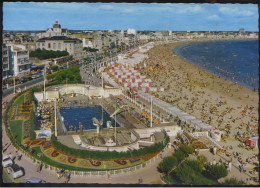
x: 21, y: 122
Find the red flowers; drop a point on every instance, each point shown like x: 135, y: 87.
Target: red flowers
x: 55, y: 153
x: 95, y: 163
x: 121, y: 162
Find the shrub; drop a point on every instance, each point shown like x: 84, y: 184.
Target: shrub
x: 106, y: 155
x: 233, y: 181
x: 179, y: 155
x: 186, y: 149
x: 185, y: 173
x: 216, y: 171
x: 194, y: 164
x: 202, y: 160
x: 167, y: 164
x: 54, y: 67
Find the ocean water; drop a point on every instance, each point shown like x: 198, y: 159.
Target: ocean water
x: 84, y: 115
x: 237, y: 60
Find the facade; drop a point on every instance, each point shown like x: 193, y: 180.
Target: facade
x: 5, y: 62
x: 252, y: 142
x: 19, y: 63
x: 62, y: 43
x: 131, y: 31
x: 56, y: 30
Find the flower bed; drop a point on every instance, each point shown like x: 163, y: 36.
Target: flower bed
x: 26, y: 129
x: 121, y: 162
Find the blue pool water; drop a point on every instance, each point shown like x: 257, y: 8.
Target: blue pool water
x: 84, y: 115
x: 232, y: 60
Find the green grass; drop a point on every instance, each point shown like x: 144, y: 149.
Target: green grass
x: 19, y: 100
x: 16, y: 127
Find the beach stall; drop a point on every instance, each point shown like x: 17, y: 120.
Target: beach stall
x: 216, y: 135
x: 252, y: 142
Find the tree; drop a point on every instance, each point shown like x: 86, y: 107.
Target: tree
x: 11, y: 80
x: 233, y: 181
x: 202, y: 160
x: 194, y: 164
x: 217, y: 171
x: 179, y: 155
x: 54, y: 67
x: 187, y: 149
x: 167, y: 164
x: 185, y: 173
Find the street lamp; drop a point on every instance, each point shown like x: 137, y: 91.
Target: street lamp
x: 55, y: 118
x: 151, y: 111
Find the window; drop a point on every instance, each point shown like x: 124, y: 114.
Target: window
x: 54, y: 46
x: 49, y: 45
x: 59, y: 46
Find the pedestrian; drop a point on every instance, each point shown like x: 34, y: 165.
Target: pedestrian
x: 67, y: 177
x: 37, y: 166
x: 214, y: 162
x: 108, y: 174
x: 214, y: 150
x: 229, y: 166
x: 10, y: 155
x: 20, y: 157
x: 140, y: 181
x: 242, y: 168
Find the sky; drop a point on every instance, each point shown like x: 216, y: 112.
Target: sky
x: 139, y: 16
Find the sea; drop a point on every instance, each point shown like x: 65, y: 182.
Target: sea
x: 234, y: 60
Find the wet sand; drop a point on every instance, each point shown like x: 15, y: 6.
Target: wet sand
x: 226, y: 106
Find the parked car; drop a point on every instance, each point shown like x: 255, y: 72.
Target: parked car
x: 23, y: 79
x: 29, y: 78
x: 7, y: 161
x: 15, y: 170
x: 4, y: 87
x: 32, y: 180
x: 34, y: 76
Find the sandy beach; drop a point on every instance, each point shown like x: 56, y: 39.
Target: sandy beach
x: 226, y: 106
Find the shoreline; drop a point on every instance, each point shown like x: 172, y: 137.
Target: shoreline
x: 211, y: 71
x: 229, y: 107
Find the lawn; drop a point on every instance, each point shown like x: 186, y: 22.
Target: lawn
x: 16, y: 127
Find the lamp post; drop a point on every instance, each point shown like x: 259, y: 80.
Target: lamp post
x: 14, y: 84
x: 55, y: 108
x: 151, y: 111
x: 115, y: 122
x: 44, y: 78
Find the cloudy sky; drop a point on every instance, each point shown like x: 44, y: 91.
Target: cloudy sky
x: 139, y: 16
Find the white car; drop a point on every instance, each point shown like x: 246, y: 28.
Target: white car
x: 6, y: 161
x: 15, y: 171
x: 32, y: 180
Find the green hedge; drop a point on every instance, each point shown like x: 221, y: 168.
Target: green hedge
x: 46, y: 54
x: 105, y: 154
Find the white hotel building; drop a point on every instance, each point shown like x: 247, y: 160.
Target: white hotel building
x: 15, y: 61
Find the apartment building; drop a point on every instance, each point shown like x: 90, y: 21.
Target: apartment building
x: 16, y: 59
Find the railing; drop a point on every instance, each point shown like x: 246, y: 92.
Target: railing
x: 90, y: 173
